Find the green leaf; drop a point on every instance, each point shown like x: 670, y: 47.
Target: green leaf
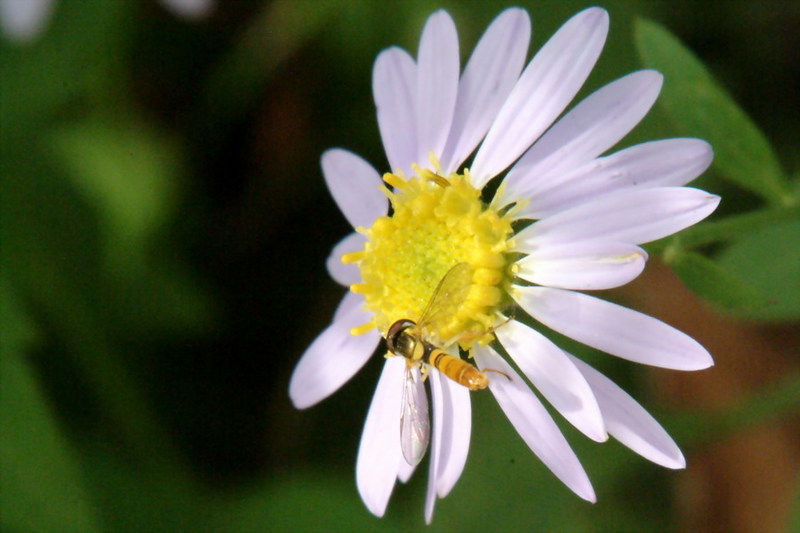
x: 303, y: 502
x: 41, y: 484
x: 66, y: 62
x: 770, y: 260
x: 17, y: 330
x: 700, y: 106
x: 715, y: 283
x: 732, y: 227
x: 127, y: 172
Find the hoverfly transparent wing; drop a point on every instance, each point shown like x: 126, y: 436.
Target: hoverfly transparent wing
x: 449, y: 295
x: 415, y: 425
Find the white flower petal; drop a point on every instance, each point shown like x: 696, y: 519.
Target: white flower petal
x: 456, y: 431
x: 488, y: 78
x: 632, y: 215
x: 334, y: 356
x: 437, y: 84
x: 351, y: 302
x: 345, y: 274
x: 452, y: 423
x: 405, y: 471
x: 592, y: 127
x: 394, y: 86
x: 545, y: 88
x: 355, y: 186
x: 664, y: 163
x: 554, y: 375
x: 379, y: 452
x: 189, y: 9
x: 23, y: 20
x: 588, y: 265
x: 629, y: 423
x: 531, y: 420
x: 436, y: 443
x: 612, y: 328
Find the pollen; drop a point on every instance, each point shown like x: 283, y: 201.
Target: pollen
x: 436, y: 223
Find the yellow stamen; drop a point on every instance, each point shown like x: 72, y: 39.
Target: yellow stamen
x: 394, y: 180
x: 437, y: 166
x: 362, y: 329
x: 352, y: 257
x: 360, y: 288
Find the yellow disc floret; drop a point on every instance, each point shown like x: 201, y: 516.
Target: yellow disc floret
x: 436, y: 223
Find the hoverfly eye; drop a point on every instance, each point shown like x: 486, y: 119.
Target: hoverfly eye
x: 397, y: 329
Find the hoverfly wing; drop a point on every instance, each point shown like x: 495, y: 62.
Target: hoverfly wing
x: 415, y: 425
x: 448, y: 296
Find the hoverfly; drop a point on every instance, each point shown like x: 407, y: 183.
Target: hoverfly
x: 413, y: 340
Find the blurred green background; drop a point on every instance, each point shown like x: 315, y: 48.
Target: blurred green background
x: 164, y: 231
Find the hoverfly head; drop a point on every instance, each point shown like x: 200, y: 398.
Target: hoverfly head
x: 399, y: 341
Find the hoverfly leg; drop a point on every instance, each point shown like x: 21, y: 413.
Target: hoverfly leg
x: 497, y: 372
x: 424, y: 370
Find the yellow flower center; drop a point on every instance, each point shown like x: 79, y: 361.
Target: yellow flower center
x: 436, y: 223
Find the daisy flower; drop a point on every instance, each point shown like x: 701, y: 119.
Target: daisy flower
x: 557, y: 217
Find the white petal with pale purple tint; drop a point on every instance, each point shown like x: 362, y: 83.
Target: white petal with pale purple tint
x: 592, y: 127
x: 531, y: 420
x: 345, y: 274
x: 439, y: 416
x: 23, y: 20
x: 334, y: 356
x: 379, y: 453
x: 190, y: 9
x: 405, y: 470
x: 551, y: 371
x: 632, y: 215
x: 394, y: 89
x: 351, y: 302
x: 355, y: 186
x: 612, y: 328
x: 451, y: 435
x: 456, y: 431
x: 545, y: 88
x: 489, y: 76
x: 588, y: 265
x: 664, y: 163
x: 629, y: 423
x: 437, y: 84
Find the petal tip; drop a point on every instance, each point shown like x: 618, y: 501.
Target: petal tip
x: 702, y: 361
x: 516, y: 11
x: 600, y: 437
x: 374, y: 508
x: 597, y: 14
x: 672, y: 459
x: 438, y: 18
x: 299, y: 391
x: 588, y: 494
x: 298, y: 402
x: 656, y: 78
x: 678, y: 464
